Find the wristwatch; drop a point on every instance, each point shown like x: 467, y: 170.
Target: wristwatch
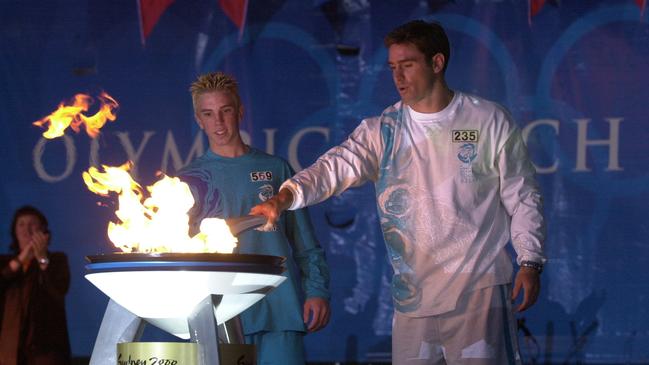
x: 532, y: 265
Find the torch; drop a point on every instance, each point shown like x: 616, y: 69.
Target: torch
x: 191, y: 287
x: 194, y: 296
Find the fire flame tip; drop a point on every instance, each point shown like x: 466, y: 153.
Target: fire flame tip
x: 72, y: 116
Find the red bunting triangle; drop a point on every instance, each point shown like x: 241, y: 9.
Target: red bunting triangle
x: 235, y: 10
x: 642, y: 4
x: 150, y: 12
x: 535, y: 6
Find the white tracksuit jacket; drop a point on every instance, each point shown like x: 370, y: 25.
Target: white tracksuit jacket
x: 452, y: 188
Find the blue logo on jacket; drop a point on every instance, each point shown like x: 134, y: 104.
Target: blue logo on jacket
x: 467, y: 153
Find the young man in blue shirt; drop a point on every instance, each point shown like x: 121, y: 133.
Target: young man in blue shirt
x: 227, y: 181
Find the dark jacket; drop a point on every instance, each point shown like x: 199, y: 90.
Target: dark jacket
x: 33, y: 326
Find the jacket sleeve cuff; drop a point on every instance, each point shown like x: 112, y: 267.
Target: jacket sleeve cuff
x: 318, y: 293
x: 297, y: 196
x: 530, y: 257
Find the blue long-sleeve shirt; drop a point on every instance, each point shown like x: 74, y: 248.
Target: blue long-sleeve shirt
x: 229, y: 187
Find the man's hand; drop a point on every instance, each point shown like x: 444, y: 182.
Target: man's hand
x: 316, y: 313
x: 527, y: 279
x: 24, y: 256
x: 273, y: 208
x: 26, y: 253
x: 39, y: 244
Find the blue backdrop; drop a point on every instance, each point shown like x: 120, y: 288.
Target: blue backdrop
x: 574, y: 75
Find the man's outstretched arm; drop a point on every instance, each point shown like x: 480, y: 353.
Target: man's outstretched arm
x: 272, y: 208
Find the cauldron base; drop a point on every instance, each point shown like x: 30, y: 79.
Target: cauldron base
x: 187, y: 295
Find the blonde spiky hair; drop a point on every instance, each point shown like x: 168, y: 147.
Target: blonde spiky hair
x: 215, y: 81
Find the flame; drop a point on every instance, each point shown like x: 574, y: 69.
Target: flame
x: 72, y: 116
x: 158, y: 223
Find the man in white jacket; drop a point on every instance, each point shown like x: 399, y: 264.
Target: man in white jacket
x: 453, y: 186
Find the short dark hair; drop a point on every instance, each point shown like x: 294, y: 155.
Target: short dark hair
x: 25, y: 210
x: 429, y: 38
